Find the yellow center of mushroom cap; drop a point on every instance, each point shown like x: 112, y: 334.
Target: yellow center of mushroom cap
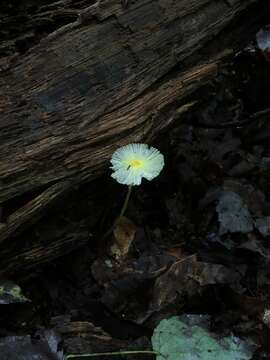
x: 135, y: 164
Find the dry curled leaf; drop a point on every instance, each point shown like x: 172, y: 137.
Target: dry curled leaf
x: 124, y: 234
x: 186, y: 277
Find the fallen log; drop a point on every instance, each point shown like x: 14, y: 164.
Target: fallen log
x: 100, y: 82
x: 33, y: 210
x: 46, y: 247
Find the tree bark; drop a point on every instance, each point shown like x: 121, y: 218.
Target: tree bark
x: 100, y: 82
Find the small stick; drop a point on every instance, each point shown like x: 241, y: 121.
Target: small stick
x: 114, y: 353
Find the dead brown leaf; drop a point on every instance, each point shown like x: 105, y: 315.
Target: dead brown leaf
x: 124, y: 234
x: 186, y: 277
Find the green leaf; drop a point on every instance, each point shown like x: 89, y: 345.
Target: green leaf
x: 186, y: 339
x: 10, y: 293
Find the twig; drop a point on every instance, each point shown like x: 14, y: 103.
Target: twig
x: 114, y: 353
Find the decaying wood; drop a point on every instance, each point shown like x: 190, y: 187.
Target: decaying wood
x: 23, y: 24
x: 82, y: 337
x: 98, y: 83
x: 49, y: 246
x: 32, y: 211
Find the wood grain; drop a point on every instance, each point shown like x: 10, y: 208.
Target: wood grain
x: 98, y: 83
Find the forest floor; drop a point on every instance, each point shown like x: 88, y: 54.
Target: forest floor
x: 195, y: 239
